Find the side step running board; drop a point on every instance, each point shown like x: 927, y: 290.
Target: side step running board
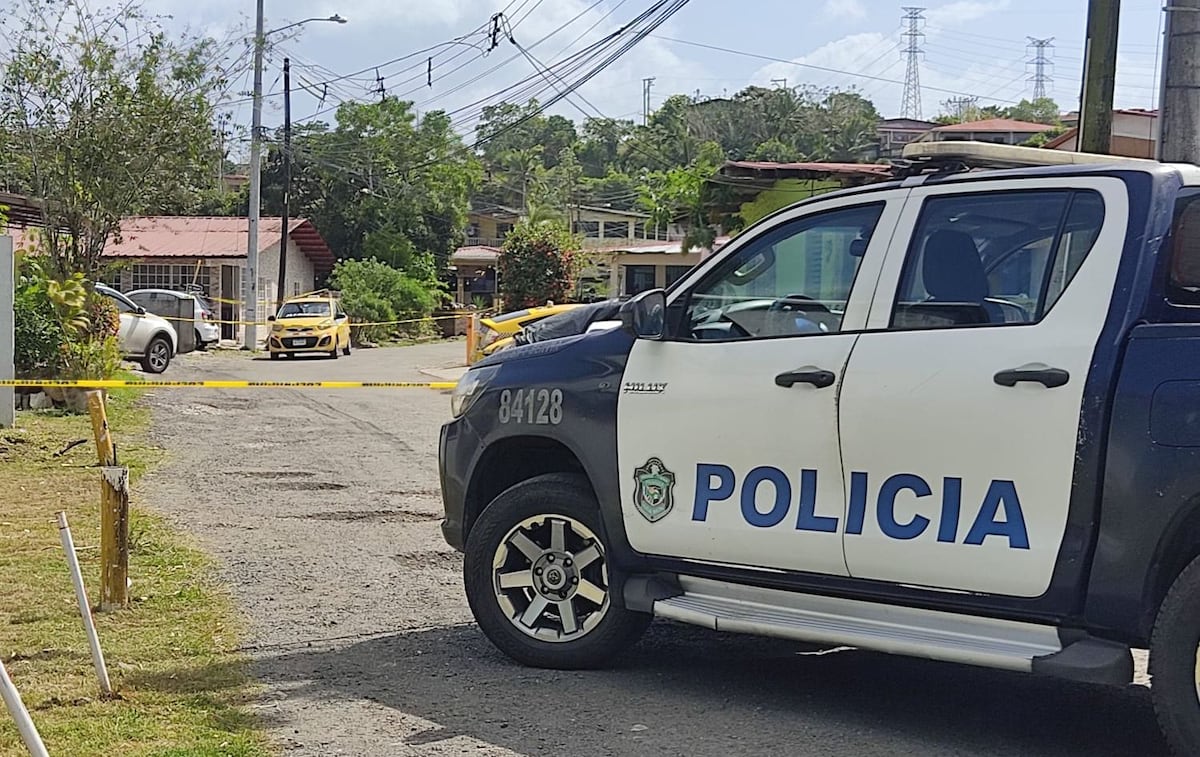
x: 931, y: 634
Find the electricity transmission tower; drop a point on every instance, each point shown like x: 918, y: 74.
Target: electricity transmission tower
x: 912, y: 76
x: 1040, y: 62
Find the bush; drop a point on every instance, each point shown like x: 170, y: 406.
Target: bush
x: 538, y: 263
x: 365, y: 307
x: 373, y: 291
x: 63, y: 330
x: 38, y: 335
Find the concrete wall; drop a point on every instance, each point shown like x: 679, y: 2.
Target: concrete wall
x: 299, y: 277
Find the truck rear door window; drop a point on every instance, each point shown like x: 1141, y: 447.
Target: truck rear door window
x: 995, y: 258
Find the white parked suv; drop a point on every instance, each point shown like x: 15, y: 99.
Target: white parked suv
x: 146, y: 338
x: 207, y: 332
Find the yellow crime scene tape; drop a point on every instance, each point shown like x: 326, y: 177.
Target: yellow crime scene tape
x: 352, y: 323
x: 120, y: 384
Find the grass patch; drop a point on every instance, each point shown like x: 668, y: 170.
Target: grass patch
x: 172, y: 657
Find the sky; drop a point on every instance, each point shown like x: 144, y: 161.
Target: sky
x: 970, y: 48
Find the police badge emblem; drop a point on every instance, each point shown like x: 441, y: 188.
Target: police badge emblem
x: 652, y: 493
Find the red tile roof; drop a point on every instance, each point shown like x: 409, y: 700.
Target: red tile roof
x: 831, y: 168
x: 996, y: 124
x: 212, y: 237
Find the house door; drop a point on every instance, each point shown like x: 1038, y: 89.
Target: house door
x: 231, y: 287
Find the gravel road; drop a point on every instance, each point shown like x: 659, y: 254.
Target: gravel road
x: 323, y: 508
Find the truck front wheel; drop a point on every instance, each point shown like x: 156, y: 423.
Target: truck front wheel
x: 538, y: 578
x: 1175, y: 662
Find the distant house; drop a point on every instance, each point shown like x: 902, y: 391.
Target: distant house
x: 1134, y: 134
x: 753, y: 189
x: 895, y: 133
x: 473, y: 265
x: 1004, y: 131
x: 174, y: 252
x: 645, y: 265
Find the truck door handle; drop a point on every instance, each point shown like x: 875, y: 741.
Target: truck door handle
x: 809, y: 375
x: 1047, y: 377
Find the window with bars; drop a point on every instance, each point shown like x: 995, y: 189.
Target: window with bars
x: 170, y: 276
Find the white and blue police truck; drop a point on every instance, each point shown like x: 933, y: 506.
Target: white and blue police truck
x: 953, y: 415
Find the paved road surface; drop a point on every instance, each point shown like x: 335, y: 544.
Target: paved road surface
x: 323, y: 508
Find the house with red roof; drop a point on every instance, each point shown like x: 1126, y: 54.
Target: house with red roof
x: 1003, y: 131
x: 209, y: 254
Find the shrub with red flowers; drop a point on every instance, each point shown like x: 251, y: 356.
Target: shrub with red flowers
x: 538, y: 263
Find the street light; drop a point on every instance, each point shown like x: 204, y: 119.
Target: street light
x: 251, y: 288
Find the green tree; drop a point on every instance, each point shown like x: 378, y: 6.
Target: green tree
x: 380, y: 172
x: 103, y: 116
x: 600, y: 143
x: 538, y: 263
x: 1043, y: 110
x: 374, y: 293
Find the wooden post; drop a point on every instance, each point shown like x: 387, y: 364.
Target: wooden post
x: 114, y: 513
x: 1099, y: 76
x: 470, y: 338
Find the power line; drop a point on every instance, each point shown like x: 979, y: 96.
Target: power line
x: 759, y: 56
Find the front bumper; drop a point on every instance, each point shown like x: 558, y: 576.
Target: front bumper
x: 301, y: 342
x: 456, y: 447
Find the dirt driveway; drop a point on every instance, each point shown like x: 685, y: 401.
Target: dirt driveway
x: 323, y: 508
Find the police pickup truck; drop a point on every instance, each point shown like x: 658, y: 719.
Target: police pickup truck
x: 953, y: 415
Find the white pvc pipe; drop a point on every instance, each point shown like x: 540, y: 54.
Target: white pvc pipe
x: 16, y: 708
x: 81, y: 595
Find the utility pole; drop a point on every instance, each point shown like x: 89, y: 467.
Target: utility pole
x: 912, y: 75
x: 647, y: 84
x: 1040, y: 63
x: 1099, y: 76
x: 961, y: 107
x: 1179, y: 98
x: 281, y: 290
x: 250, y: 289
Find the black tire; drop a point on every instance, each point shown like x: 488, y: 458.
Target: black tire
x: 613, y: 627
x: 1173, y: 648
x: 157, y: 356
x: 346, y: 349
x: 274, y: 355
x: 200, y: 344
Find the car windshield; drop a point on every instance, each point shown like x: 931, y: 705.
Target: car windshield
x: 304, y: 309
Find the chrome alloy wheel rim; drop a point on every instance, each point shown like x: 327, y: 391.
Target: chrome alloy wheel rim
x: 551, y: 579
x: 159, y: 356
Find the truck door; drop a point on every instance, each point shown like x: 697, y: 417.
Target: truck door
x: 727, y: 429
x: 961, y: 404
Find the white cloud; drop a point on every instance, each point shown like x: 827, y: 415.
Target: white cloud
x: 851, y: 9
x: 962, y: 12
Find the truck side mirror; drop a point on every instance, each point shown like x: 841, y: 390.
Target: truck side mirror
x: 644, y: 316
x: 270, y: 319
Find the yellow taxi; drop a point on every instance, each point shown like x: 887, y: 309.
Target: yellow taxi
x: 313, y: 323
x: 497, y: 332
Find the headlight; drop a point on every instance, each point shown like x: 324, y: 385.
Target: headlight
x: 468, y: 389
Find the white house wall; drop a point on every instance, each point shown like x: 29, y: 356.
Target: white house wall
x: 300, y: 273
